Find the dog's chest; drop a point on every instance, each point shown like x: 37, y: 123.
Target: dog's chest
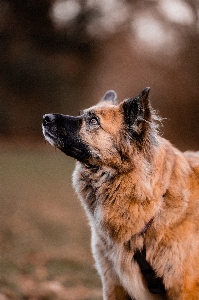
x: 110, y: 216
x: 125, y: 267
x: 112, y: 202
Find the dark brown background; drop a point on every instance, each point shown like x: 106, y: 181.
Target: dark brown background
x: 53, y: 66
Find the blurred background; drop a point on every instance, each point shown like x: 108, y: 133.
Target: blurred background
x: 62, y: 56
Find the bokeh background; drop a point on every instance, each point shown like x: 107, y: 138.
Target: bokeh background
x: 62, y: 56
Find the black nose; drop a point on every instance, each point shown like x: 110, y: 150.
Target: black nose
x: 48, y: 118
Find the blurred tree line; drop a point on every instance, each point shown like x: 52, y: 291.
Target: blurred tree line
x: 62, y: 56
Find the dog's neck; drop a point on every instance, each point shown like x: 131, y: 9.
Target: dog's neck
x: 103, y: 188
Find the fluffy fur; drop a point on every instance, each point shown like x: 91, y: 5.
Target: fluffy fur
x: 127, y: 176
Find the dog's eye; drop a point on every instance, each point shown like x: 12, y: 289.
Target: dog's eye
x: 93, y: 121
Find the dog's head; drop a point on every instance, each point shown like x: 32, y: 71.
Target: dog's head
x: 105, y: 134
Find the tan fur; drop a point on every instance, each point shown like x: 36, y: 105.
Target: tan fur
x: 130, y: 177
x: 122, y: 196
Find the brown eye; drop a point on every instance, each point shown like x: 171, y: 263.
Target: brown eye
x: 93, y: 121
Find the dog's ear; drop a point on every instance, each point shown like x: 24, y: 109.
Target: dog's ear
x: 137, y: 112
x: 110, y: 96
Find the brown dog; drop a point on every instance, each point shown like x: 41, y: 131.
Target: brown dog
x: 141, y: 196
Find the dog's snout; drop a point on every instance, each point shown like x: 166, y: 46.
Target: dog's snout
x: 48, y: 118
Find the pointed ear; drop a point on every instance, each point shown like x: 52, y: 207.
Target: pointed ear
x: 110, y: 96
x: 137, y: 112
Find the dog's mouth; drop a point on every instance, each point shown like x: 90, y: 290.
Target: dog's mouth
x: 62, y: 132
x: 52, y: 139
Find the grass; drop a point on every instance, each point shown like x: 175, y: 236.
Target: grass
x: 44, y: 237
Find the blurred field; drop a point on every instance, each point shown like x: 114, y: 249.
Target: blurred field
x: 44, y: 237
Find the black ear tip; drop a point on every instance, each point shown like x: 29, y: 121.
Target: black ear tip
x: 146, y: 91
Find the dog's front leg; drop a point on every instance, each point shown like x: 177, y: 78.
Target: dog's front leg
x: 112, y: 288
x: 116, y: 293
